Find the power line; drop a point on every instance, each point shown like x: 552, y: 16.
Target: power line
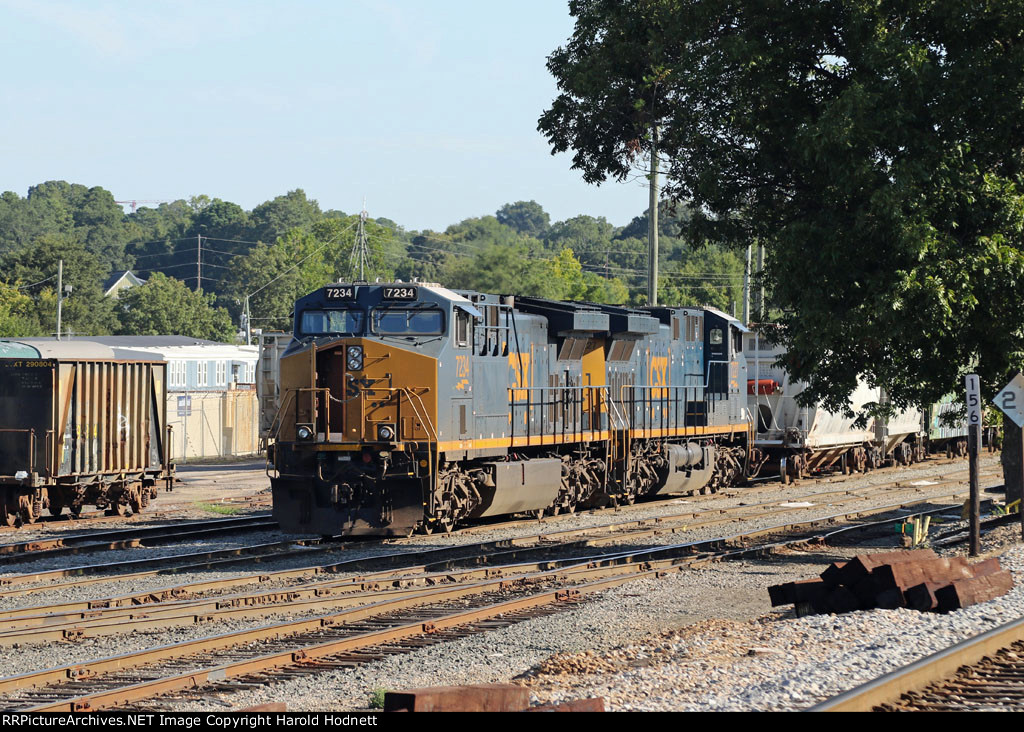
x: 301, y: 261
x: 25, y: 287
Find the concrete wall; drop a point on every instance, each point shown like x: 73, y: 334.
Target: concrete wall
x: 224, y: 424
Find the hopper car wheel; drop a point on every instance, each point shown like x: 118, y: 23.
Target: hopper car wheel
x: 56, y: 507
x: 136, y: 502
x: 7, y: 518
x: 117, y: 509
x: 28, y: 516
x: 552, y: 510
x: 76, y: 509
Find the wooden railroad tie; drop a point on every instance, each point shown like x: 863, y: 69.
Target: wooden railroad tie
x: 917, y: 579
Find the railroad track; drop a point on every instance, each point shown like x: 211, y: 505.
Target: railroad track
x: 145, y: 536
x: 746, y: 491
x: 984, y: 673
x: 589, y: 536
x: 379, y: 622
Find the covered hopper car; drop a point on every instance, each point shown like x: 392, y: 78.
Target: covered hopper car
x: 409, y: 406
x: 79, y: 425
x: 798, y: 439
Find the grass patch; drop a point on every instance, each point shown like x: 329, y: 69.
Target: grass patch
x: 377, y: 698
x: 218, y: 509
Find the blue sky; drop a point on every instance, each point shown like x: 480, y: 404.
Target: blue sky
x: 428, y: 108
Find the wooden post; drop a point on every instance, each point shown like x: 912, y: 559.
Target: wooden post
x: 1013, y: 464
x: 974, y: 446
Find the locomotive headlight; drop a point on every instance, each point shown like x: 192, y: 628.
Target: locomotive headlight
x: 355, y: 358
x: 305, y: 433
x: 385, y: 433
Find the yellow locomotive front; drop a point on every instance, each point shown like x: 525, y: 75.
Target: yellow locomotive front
x: 355, y: 439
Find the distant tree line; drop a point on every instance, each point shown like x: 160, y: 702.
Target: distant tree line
x: 204, y: 257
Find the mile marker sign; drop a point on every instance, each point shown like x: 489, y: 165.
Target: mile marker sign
x: 974, y: 416
x: 1011, y: 400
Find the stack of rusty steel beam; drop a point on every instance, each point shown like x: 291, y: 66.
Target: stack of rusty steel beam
x: 917, y: 579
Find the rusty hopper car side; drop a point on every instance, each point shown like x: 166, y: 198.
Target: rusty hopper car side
x: 79, y: 426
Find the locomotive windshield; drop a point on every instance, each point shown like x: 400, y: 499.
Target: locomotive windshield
x: 408, y: 321
x: 332, y: 322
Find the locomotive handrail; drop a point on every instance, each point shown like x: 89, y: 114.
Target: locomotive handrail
x: 412, y: 398
x: 577, y: 407
x: 278, y: 423
x: 664, y: 401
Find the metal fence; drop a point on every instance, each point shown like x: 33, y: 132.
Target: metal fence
x: 211, y: 425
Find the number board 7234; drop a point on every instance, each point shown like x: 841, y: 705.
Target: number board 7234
x: 400, y: 293
x: 340, y: 292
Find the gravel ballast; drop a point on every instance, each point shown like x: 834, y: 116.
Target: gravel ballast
x: 702, y: 639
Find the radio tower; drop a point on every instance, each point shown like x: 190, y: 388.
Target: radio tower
x: 361, y: 248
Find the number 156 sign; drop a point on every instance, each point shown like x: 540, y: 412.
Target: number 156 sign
x: 973, y: 400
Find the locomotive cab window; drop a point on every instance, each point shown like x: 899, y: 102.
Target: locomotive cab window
x: 408, y: 321
x: 716, y: 337
x: 462, y: 328
x: 332, y: 322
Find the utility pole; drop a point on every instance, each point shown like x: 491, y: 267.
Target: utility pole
x: 246, y: 325
x: 199, y: 262
x: 760, y: 282
x: 60, y: 294
x: 652, y: 224
x: 360, y: 258
x: 746, y: 288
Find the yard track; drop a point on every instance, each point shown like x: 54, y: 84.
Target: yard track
x: 394, y: 610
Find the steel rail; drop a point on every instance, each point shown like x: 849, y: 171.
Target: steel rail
x: 89, y: 624
x: 129, y: 539
x: 309, y: 655
x: 659, y: 524
x: 938, y: 667
x: 626, y: 566
x: 253, y: 552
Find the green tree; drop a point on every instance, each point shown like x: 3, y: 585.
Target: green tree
x: 16, y: 319
x: 526, y: 217
x: 86, y: 311
x: 273, y: 218
x: 875, y: 148
x: 166, y: 306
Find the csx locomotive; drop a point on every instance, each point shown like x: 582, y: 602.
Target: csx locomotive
x: 407, y: 406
